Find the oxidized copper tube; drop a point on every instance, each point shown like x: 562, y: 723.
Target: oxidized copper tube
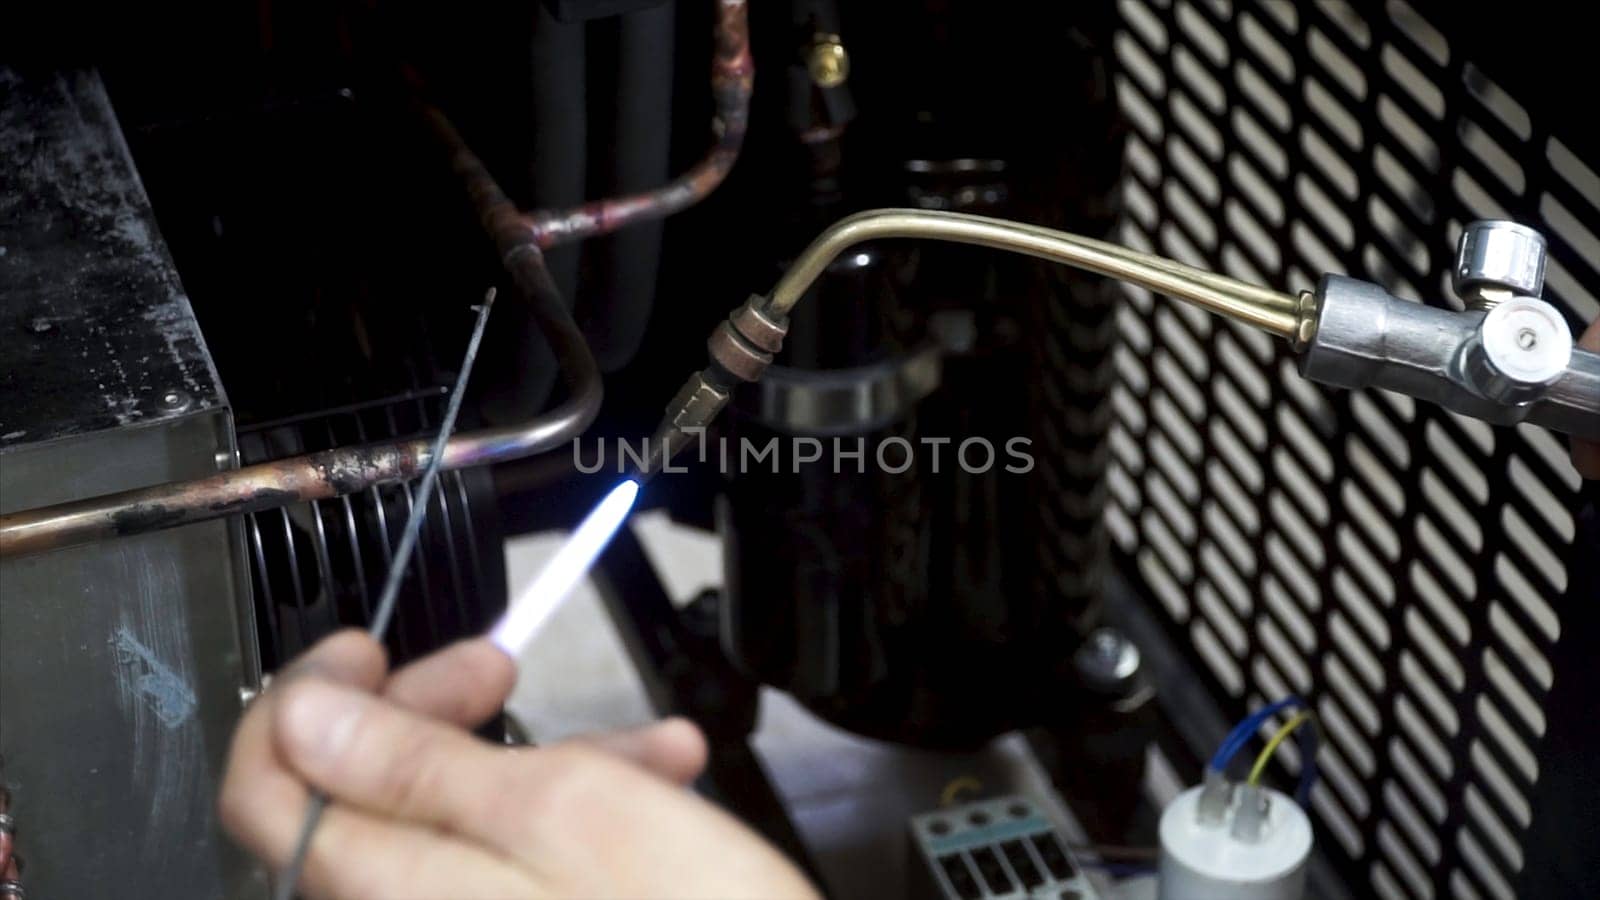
x: 329, y: 473
x: 732, y: 80
x: 346, y: 470
x: 519, y: 237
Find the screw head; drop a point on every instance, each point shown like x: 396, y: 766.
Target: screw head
x: 1107, y: 659
x: 175, y: 401
x: 1526, y: 342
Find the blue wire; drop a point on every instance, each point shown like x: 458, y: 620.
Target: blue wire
x: 1307, y: 738
x: 1247, y: 729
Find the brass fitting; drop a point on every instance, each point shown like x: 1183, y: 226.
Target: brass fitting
x: 827, y: 62
x: 745, y: 344
x: 742, y: 346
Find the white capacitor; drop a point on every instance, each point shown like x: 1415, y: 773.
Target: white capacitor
x: 1207, y: 862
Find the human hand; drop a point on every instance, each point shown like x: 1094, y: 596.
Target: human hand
x: 420, y: 808
x: 1586, y: 454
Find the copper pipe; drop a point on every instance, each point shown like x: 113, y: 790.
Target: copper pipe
x: 329, y: 473
x: 732, y: 81
x: 346, y: 470
x: 519, y: 237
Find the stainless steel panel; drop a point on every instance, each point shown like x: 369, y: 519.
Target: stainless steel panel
x: 121, y: 665
x: 121, y: 662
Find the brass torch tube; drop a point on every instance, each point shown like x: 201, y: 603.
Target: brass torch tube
x: 1284, y: 315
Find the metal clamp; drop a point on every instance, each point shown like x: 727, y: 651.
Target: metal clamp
x: 746, y: 342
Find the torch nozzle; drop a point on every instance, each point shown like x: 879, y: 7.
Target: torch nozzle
x: 691, y: 410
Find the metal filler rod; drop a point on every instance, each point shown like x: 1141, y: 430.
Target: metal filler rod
x: 397, y: 573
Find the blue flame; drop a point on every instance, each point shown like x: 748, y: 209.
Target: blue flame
x: 564, y: 570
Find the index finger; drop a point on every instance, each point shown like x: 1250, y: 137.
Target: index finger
x: 463, y: 684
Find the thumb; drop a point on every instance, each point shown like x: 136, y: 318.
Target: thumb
x: 370, y: 754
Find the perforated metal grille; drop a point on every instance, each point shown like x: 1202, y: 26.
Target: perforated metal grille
x: 1401, y: 566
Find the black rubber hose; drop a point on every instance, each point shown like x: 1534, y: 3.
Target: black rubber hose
x: 624, y: 265
x: 522, y: 369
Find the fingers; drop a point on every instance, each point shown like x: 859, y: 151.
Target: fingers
x: 1586, y: 454
x: 389, y: 761
x: 356, y: 856
x: 419, y: 805
x: 469, y: 681
x: 348, y: 656
x: 674, y: 748
x: 260, y: 799
x: 463, y: 684
x: 386, y: 761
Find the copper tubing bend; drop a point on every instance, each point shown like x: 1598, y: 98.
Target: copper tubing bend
x: 330, y: 473
x: 519, y: 238
x: 732, y: 81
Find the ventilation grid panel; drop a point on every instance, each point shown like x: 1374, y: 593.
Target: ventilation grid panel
x: 1399, y: 565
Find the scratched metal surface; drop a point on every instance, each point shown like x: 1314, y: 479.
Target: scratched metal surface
x: 120, y: 667
x: 120, y: 662
x: 95, y: 329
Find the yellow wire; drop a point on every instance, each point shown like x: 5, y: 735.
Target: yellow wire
x: 1288, y: 728
x: 952, y: 791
